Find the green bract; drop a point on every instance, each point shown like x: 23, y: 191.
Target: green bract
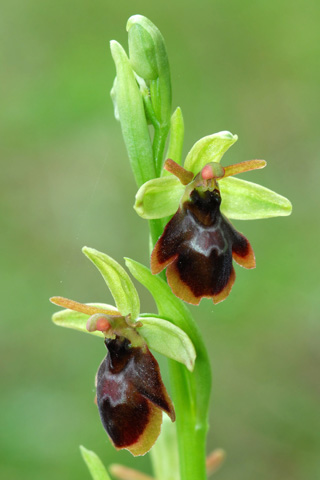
x: 166, y: 447
x: 128, y: 104
x: 241, y: 200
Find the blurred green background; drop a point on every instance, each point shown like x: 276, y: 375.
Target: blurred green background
x: 244, y: 66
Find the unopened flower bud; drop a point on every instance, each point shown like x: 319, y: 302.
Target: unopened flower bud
x: 149, y: 59
x: 142, y: 51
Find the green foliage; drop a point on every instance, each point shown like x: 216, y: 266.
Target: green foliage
x: 94, y: 464
x: 128, y: 104
x: 166, y: 448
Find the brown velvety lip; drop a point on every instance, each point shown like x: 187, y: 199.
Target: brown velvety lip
x: 131, y: 396
x: 197, y: 247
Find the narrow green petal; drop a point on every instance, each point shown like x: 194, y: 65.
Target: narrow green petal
x: 167, y: 339
x: 208, y: 149
x: 242, y: 200
x: 120, y: 285
x: 159, y: 198
x: 77, y: 320
x: 94, y: 464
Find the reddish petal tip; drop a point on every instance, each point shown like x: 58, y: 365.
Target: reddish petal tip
x: 244, y: 257
x: 155, y: 264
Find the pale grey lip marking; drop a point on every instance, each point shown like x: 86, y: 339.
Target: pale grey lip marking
x: 206, y: 239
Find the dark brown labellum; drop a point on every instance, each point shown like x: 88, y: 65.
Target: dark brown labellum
x: 131, y: 396
x: 197, y: 246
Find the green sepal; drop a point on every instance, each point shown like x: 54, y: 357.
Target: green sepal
x: 159, y: 197
x: 120, y: 285
x: 94, y: 464
x: 76, y: 320
x: 165, y: 338
x: 209, y: 149
x: 128, y: 104
x: 242, y: 200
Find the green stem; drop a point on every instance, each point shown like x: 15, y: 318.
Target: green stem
x: 191, y: 392
x: 155, y: 232
x: 191, y: 438
x: 159, y: 143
